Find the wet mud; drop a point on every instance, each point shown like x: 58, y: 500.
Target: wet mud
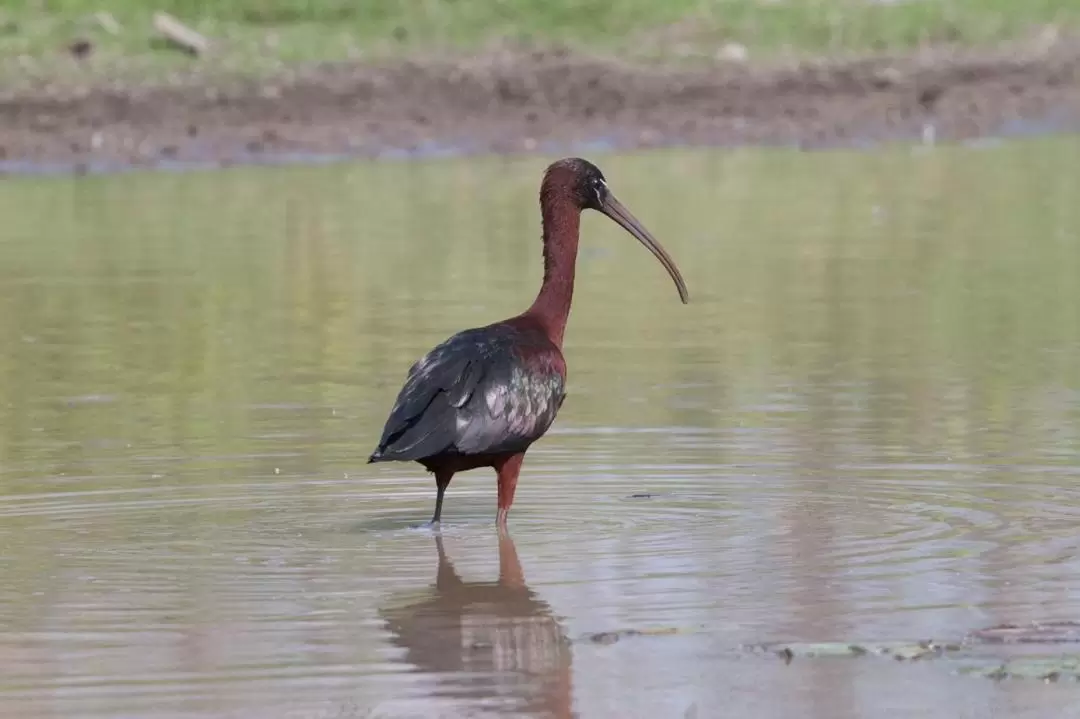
x: 541, y: 100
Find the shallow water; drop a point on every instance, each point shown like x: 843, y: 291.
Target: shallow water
x: 863, y: 427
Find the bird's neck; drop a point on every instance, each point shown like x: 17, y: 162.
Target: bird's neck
x: 562, y: 223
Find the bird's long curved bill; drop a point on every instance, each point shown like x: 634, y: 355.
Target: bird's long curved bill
x: 617, y: 212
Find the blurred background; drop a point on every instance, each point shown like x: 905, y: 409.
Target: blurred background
x: 862, y: 429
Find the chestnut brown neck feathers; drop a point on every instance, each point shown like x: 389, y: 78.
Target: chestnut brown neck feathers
x: 560, y: 209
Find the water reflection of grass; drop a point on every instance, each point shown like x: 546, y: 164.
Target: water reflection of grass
x: 916, y: 300
x: 260, y: 34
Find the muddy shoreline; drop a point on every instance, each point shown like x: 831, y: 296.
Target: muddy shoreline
x: 527, y: 100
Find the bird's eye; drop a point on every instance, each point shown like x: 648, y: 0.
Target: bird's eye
x: 601, y: 191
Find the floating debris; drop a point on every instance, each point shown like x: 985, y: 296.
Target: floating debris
x: 901, y: 651
x: 958, y: 656
x: 614, y: 636
x: 1047, y: 669
x: 1033, y: 633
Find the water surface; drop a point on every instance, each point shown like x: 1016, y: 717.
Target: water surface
x: 863, y: 427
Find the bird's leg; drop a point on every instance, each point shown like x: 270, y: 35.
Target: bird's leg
x: 507, y: 472
x: 445, y: 577
x: 442, y: 480
x: 510, y: 574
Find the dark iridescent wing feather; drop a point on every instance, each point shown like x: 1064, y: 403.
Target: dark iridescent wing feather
x: 488, y: 390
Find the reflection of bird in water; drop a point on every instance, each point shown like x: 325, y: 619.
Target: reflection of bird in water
x: 490, y: 644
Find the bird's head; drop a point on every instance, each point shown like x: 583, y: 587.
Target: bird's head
x: 589, y: 190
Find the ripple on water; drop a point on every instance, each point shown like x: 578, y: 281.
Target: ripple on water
x: 201, y: 594
x: 192, y: 600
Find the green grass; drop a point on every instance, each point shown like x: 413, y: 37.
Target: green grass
x: 263, y: 34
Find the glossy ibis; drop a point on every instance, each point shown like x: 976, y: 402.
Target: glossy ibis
x: 483, y: 396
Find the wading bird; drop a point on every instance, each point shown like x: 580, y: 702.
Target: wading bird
x: 483, y: 396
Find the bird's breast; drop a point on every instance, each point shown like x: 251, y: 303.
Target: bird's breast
x: 526, y: 398
x: 539, y: 390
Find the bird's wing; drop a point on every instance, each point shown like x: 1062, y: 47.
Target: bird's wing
x: 481, y: 391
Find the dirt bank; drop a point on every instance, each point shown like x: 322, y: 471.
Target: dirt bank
x: 523, y: 100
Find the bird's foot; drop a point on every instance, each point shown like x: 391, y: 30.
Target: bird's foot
x: 430, y: 524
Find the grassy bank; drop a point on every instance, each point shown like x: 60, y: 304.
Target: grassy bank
x: 261, y: 35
